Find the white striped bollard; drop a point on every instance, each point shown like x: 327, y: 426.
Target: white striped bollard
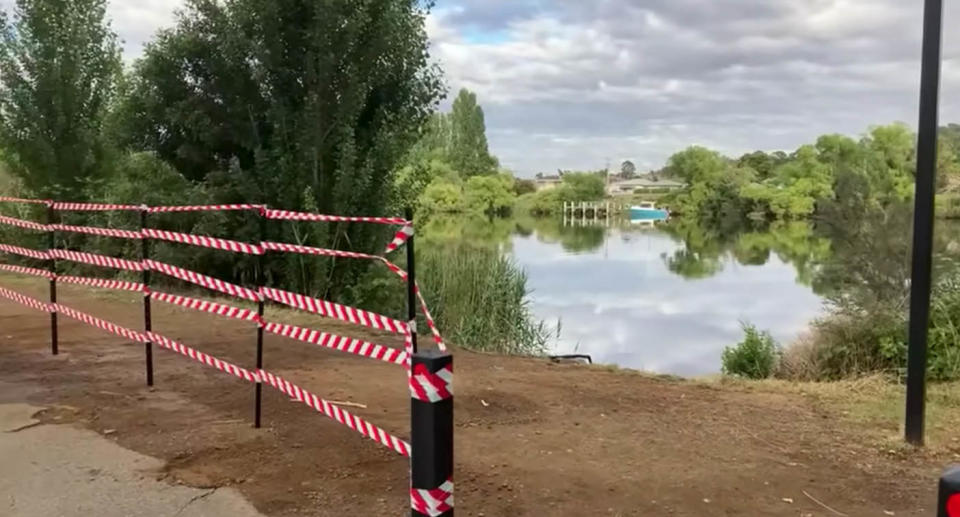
x: 431, y: 435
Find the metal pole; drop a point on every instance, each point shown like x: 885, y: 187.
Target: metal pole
x: 147, y: 320
x: 431, y: 434
x: 258, y: 389
x: 411, y: 285
x: 923, y: 221
x: 52, y: 265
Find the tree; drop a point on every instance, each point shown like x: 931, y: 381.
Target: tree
x: 492, y: 195
x: 303, y: 104
x: 628, y: 169
x: 468, y: 138
x: 59, y: 63
x: 696, y: 164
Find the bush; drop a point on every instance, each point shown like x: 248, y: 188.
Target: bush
x: 441, y: 197
x: 754, y: 358
x: 491, y: 195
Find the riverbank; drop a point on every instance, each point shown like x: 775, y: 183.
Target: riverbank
x: 533, y: 438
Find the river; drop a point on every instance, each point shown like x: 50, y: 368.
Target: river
x: 670, y: 297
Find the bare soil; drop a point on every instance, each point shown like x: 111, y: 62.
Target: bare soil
x: 533, y: 438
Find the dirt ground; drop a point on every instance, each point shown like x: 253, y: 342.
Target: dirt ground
x: 532, y: 438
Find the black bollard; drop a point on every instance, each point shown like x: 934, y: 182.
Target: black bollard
x: 949, y: 498
x: 431, y: 435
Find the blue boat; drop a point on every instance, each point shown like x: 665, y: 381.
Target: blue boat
x: 648, y: 211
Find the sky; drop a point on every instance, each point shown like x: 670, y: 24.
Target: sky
x: 577, y: 84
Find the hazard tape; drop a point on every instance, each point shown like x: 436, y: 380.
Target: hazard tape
x: 203, y: 208
x: 113, y: 328
x: 96, y: 260
x: 310, y: 250
x: 206, y: 242
x: 119, y: 285
x: 344, y: 344
x: 287, y: 215
x: 207, y: 359
x: 32, y: 271
x: 401, y: 237
x: 22, y: 223
x: 203, y: 280
x: 102, y: 232
x: 21, y: 200
x: 25, y: 252
x: 429, y: 386
x: 437, y: 338
x: 93, y: 207
x: 205, y: 306
x: 335, y: 310
x: 333, y: 411
x: 24, y: 300
x: 433, y: 502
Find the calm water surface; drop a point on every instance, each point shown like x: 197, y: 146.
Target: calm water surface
x: 622, y: 303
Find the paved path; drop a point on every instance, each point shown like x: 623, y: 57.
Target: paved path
x: 62, y: 471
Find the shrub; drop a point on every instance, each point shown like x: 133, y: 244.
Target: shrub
x: 441, y: 197
x: 754, y: 358
x: 492, y: 195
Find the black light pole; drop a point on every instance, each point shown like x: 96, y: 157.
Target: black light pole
x: 923, y: 220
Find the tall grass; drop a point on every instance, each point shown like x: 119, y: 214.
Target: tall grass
x: 480, y: 300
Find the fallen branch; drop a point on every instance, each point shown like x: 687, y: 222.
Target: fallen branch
x: 348, y: 404
x: 814, y: 499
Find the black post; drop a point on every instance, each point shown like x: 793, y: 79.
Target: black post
x: 431, y: 434
x: 948, y: 504
x: 258, y: 389
x: 923, y: 221
x: 147, y: 321
x: 52, y: 265
x: 411, y: 285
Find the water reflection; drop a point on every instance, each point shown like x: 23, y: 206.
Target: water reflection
x: 669, y: 297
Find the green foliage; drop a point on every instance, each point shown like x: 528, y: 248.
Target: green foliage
x: 582, y: 186
x: 441, y: 197
x: 753, y: 358
x: 323, y: 128
x: 468, y: 151
x: 522, y: 186
x: 480, y: 299
x: 491, y: 195
x: 59, y: 63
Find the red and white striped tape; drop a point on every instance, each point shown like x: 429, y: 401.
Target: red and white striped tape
x: 120, y: 285
x: 433, y: 502
x: 431, y: 387
x: 335, y: 310
x: 204, y: 208
x: 102, y: 232
x: 401, y: 237
x: 132, y: 335
x: 207, y: 359
x: 96, y: 260
x: 26, y: 252
x: 203, y: 280
x: 344, y: 344
x: 205, y: 306
x: 340, y: 415
x: 310, y: 250
x: 6, y: 199
x: 437, y: 338
x: 23, y: 270
x: 287, y: 215
x: 93, y: 207
x: 23, y: 223
x: 206, y: 242
x: 24, y: 300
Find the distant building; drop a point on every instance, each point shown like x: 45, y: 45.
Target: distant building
x: 619, y: 188
x: 547, y: 182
